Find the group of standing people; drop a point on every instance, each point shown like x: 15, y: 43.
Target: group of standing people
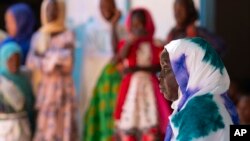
x: 120, y: 84
x: 48, y: 105
x: 127, y: 103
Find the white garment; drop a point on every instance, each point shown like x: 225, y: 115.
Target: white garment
x: 97, y: 52
x: 14, y: 126
x: 15, y: 130
x: 12, y: 94
x: 139, y: 109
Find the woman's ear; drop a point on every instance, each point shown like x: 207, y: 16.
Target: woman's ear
x: 164, y: 57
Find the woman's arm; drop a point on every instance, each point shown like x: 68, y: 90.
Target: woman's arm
x: 125, y: 49
x: 66, y: 64
x: 66, y: 56
x: 114, y: 22
x: 122, y: 53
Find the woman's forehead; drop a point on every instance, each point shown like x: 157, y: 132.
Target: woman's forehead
x: 109, y: 3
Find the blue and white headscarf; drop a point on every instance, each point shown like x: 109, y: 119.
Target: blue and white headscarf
x: 203, y: 110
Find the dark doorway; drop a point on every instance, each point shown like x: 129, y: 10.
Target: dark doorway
x: 233, y: 24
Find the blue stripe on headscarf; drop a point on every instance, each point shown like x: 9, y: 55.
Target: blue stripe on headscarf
x: 180, y: 68
x: 231, y: 108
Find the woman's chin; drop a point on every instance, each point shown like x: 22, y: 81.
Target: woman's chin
x: 170, y: 98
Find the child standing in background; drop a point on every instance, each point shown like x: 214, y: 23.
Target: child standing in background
x: 141, y: 112
x: 52, y: 55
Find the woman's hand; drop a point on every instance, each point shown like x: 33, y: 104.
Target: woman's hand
x: 116, y: 123
x: 131, y: 39
x: 115, y: 18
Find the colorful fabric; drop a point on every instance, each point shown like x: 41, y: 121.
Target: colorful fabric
x: 97, y: 53
x: 16, y: 100
x: 48, y: 28
x: 203, y: 110
x: 56, y: 102
x: 99, y: 122
x: 25, y: 22
x: 132, y: 104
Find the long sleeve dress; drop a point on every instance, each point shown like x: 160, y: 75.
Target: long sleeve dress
x: 55, y: 93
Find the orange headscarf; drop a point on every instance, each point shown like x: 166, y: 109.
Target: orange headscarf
x: 58, y: 24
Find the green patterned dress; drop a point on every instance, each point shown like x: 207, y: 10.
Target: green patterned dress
x: 99, y: 122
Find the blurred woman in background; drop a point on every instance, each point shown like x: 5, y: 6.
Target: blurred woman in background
x: 99, y: 119
x: 141, y: 112
x: 20, y: 22
x: 16, y: 99
x: 51, y: 54
x: 186, y: 16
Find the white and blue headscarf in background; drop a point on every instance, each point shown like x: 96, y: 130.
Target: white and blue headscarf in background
x: 203, y: 110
